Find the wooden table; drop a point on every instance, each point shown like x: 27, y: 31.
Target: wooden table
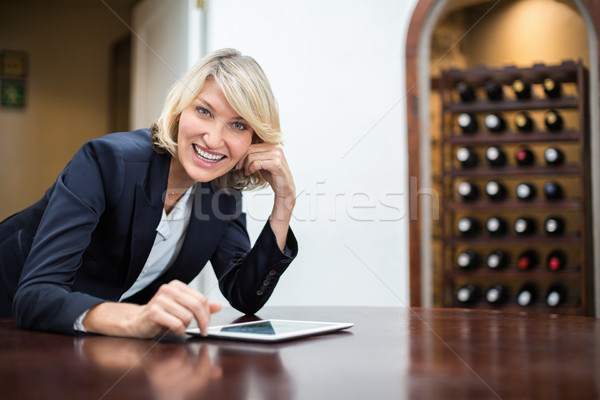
x: 390, y: 353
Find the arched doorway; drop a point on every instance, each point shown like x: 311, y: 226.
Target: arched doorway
x: 463, y: 34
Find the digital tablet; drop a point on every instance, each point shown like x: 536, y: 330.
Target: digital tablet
x: 271, y: 330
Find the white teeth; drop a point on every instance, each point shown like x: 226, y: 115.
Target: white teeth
x: 207, y: 156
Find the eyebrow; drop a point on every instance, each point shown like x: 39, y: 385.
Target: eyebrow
x: 206, y: 104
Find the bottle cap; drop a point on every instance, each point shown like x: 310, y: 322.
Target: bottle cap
x: 464, y: 188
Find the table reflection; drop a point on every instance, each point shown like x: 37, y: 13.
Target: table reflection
x: 182, y: 370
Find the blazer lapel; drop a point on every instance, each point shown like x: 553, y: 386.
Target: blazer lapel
x: 211, y: 213
x: 149, y: 203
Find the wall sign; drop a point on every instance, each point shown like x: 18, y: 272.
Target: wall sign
x: 13, y: 73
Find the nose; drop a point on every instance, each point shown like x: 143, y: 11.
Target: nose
x: 213, y: 138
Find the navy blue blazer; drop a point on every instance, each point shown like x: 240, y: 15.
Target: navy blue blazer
x: 88, y: 238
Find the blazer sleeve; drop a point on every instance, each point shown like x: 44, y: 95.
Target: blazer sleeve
x: 44, y: 299
x: 247, y: 276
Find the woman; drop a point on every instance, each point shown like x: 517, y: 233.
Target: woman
x: 135, y: 216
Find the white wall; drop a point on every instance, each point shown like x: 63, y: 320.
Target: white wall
x: 337, y: 70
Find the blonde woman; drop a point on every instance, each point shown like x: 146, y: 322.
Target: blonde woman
x: 137, y: 215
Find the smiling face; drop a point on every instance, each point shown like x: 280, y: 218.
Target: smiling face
x: 212, y: 138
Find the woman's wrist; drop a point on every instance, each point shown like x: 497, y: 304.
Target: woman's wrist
x: 282, y: 208
x: 112, y: 319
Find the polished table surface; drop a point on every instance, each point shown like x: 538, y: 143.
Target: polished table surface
x: 390, y: 353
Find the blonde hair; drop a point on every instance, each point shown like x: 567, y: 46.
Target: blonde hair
x: 247, y: 91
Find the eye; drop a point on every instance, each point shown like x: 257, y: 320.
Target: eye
x: 203, y: 111
x: 240, y: 126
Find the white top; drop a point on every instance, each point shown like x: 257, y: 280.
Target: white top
x: 169, y: 239
x: 170, y: 234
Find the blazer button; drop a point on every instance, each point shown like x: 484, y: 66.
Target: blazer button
x: 272, y: 272
x: 259, y: 292
x: 266, y: 282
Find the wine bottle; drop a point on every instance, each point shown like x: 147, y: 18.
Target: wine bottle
x: 554, y: 156
x: 553, y: 191
x: 527, y: 260
x: 525, y: 191
x: 497, y: 260
x: 496, y: 191
x: 467, y: 260
x: 467, y: 191
x: 554, y: 226
x: 524, y: 157
x: 553, y: 121
x: 557, y: 294
x: 522, y: 89
x: 523, y: 122
x: 524, y: 226
x: 468, y: 294
x: 495, y: 123
x: 552, y: 88
x: 465, y: 91
x: 494, y: 90
x: 495, y: 156
x: 466, y: 157
x: 467, y: 123
x: 468, y: 226
x: 527, y: 294
x: 496, y: 226
x: 496, y: 294
x: 556, y: 260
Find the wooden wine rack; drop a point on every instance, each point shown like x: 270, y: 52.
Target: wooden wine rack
x: 573, y: 175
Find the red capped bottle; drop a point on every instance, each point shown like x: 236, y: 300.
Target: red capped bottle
x: 556, y: 260
x: 527, y: 260
x: 524, y: 157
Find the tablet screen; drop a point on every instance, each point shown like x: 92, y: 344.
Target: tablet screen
x: 271, y: 327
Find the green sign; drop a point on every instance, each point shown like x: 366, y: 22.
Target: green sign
x: 13, y: 93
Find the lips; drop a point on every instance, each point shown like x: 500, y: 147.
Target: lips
x: 206, y: 155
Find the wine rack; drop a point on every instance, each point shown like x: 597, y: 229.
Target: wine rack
x: 497, y: 128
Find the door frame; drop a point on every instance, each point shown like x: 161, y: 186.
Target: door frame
x: 416, y: 89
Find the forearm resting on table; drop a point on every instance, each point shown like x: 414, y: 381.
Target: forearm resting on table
x: 112, y: 319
